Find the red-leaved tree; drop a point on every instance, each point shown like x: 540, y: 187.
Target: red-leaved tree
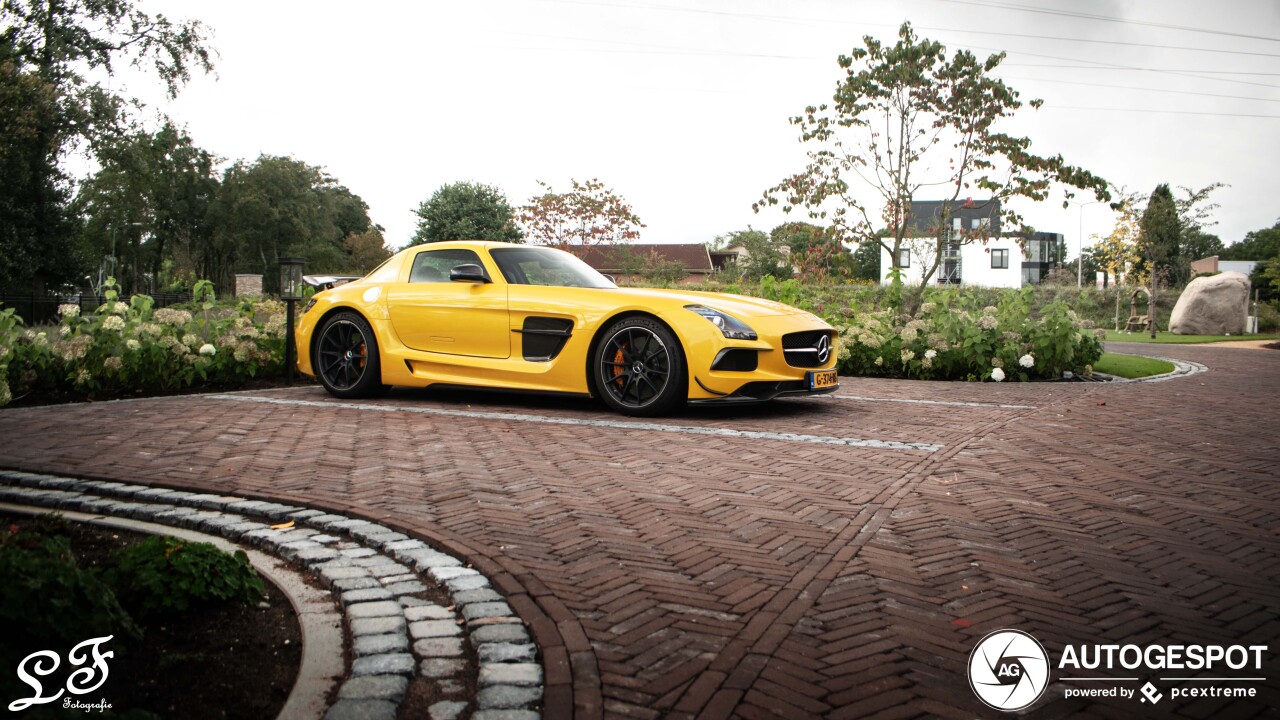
x: 589, y: 214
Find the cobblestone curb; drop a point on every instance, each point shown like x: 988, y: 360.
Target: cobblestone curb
x: 373, y: 572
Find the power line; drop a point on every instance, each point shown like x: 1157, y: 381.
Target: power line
x: 1143, y: 89
x: 859, y: 23
x: 1164, y: 112
x: 1128, y: 67
x: 1105, y: 18
x: 1137, y: 69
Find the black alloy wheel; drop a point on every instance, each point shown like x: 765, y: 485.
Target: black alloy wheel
x: 346, y: 357
x: 639, y: 368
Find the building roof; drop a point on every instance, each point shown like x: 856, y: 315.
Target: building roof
x: 610, y: 258
x: 925, y: 214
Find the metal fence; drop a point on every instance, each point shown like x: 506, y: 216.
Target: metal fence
x: 38, y: 309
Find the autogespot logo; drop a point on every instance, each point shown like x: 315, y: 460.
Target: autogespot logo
x: 1009, y: 670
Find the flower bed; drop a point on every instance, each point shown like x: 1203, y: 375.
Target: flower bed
x: 953, y: 337
x: 125, y: 348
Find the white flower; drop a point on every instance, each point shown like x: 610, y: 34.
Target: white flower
x: 112, y: 363
x: 117, y: 307
x: 69, y: 311
x: 207, y: 349
x: 997, y: 374
x: 1027, y: 361
x: 930, y: 354
x: 879, y: 361
x: 910, y: 334
x: 132, y: 344
x: 908, y: 355
x: 987, y: 322
x: 114, y: 323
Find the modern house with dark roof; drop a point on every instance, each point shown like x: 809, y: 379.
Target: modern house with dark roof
x: 976, y: 250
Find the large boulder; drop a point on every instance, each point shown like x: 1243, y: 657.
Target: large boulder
x: 1213, y: 305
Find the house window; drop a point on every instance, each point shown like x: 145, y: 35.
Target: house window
x: 957, y: 223
x: 1000, y: 259
x: 904, y: 258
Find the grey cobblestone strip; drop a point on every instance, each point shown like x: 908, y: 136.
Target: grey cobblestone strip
x: 373, y: 572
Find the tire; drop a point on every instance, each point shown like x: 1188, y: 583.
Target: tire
x: 639, y: 368
x: 346, y: 357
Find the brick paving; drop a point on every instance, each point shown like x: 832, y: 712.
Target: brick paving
x: 738, y: 570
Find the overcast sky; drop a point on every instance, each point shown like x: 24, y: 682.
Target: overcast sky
x: 682, y: 107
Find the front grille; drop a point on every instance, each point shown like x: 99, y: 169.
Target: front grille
x: 807, y: 349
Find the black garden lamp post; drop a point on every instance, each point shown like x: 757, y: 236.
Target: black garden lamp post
x: 291, y: 293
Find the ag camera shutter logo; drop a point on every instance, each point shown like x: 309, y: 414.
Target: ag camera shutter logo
x: 1008, y: 670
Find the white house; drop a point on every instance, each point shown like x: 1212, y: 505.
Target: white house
x: 981, y: 255
x: 998, y: 263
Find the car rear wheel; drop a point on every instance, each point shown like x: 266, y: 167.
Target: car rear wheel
x: 639, y: 368
x: 347, y: 359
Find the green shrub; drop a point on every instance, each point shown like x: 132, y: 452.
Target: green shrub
x: 47, y: 602
x: 164, y: 576
x: 955, y: 337
x: 122, y: 348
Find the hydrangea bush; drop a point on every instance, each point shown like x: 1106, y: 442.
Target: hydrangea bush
x: 128, y: 347
x: 954, y: 337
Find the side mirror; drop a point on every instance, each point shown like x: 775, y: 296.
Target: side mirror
x: 468, y: 273
x: 610, y: 278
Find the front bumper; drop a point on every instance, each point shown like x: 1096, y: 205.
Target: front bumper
x: 763, y: 391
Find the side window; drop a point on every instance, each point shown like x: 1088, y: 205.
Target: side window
x: 433, y: 266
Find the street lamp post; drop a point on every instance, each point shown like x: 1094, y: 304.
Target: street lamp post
x: 1080, y: 242
x: 290, y: 292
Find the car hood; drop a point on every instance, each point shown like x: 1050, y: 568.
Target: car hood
x: 739, y: 306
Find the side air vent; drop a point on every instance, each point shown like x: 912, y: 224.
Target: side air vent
x: 542, y: 338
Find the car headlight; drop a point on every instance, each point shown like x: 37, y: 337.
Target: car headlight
x: 732, y: 327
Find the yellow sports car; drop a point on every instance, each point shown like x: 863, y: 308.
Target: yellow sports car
x: 526, y: 318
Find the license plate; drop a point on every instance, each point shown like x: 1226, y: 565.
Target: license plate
x: 819, y: 379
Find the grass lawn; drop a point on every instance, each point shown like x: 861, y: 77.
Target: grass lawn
x: 1168, y: 338
x: 1131, y: 366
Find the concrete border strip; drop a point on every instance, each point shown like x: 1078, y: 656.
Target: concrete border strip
x: 374, y: 573
x: 591, y: 422
x: 949, y: 403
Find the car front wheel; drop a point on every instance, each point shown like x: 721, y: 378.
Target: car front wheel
x: 639, y: 368
x: 346, y: 357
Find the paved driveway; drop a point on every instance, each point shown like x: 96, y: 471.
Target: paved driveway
x: 833, y: 557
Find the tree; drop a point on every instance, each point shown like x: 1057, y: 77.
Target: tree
x: 764, y: 256
x: 49, y: 45
x: 279, y: 207
x: 35, y: 226
x: 815, y: 252
x: 1117, y: 253
x: 906, y: 118
x: 367, y: 250
x: 1195, y: 213
x: 466, y: 211
x: 1158, y: 239
x: 866, y: 262
x: 589, y: 214
x: 1256, y: 245
x: 148, y: 203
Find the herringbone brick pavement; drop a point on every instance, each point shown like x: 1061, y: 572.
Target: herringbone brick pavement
x: 680, y: 571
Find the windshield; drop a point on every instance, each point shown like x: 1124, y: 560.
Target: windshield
x: 545, y: 266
